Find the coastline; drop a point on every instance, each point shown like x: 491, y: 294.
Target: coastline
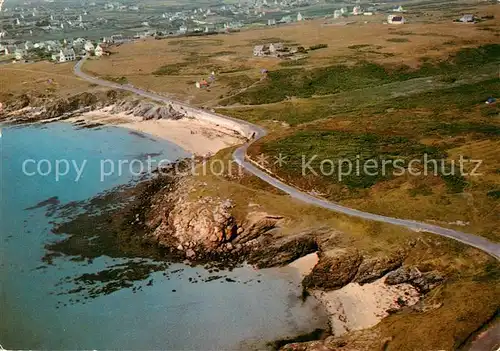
x: 205, y: 139
x: 201, y: 138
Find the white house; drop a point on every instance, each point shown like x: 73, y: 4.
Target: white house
x: 98, y: 51
x: 300, y: 17
x: 260, y: 50
x: 19, y: 54
x: 275, y: 47
x: 468, y: 18
x: 337, y: 14
x: 271, y: 22
x: 286, y: 19
x: 28, y: 45
x: 66, y: 55
x: 89, y: 46
x: 395, y: 19
x: 10, y: 49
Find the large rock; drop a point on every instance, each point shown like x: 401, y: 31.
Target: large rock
x: 373, y: 268
x: 402, y: 275
x: 335, y: 269
x: 204, y: 223
x: 361, y: 340
x: 281, y: 251
x: 255, y: 225
x: 423, y: 282
x: 147, y: 110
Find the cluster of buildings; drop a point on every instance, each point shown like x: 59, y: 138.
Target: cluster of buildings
x: 278, y: 50
x: 57, y: 51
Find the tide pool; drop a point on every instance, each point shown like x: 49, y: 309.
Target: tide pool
x: 182, y: 308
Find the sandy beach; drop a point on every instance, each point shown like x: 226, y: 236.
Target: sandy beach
x: 356, y: 307
x: 198, y: 137
x: 305, y: 264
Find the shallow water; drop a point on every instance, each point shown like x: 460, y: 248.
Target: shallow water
x: 168, y: 310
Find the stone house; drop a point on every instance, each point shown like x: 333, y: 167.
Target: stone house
x: 395, y: 19
x: 89, y: 47
x: 66, y: 55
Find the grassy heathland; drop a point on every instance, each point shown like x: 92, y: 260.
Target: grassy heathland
x: 369, y: 111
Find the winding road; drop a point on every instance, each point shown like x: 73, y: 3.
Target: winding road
x: 239, y: 156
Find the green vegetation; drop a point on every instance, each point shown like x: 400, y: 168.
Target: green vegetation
x: 494, y: 194
x: 237, y: 82
x: 346, y: 153
x: 119, y: 80
x: 398, y: 40
x: 318, y: 46
x: 383, y: 114
x: 171, y: 69
x: 283, y: 84
x: 291, y: 63
x: 360, y: 46
x: 40, y: 54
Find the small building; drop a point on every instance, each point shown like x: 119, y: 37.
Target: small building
x: 395, y: 19
x: 337, y: 14
x: 261, y: 50
x: 19, y: 54
x: 202, y: 84
x: 274, y: 48
x: 286, y: 19
x: 89, y: 47
x: 9, y: 49
x: 66, y: 55
x: 98, y: 51
x: 271, y: 22
x: 467, y: 18
x: 28, y: 45
x: 300, y: 18
x: 356, y: 10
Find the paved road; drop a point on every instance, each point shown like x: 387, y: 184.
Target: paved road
x: 240, y: 157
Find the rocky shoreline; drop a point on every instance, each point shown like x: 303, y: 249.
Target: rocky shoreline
x: 32, y: 108
x: 204, y: 230
x: 167, y: 220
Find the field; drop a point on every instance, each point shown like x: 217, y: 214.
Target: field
x: 375, y: 92
x: 172, y: 66
x: 41, y: 77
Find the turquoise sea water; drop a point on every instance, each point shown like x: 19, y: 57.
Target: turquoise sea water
x: 171, y: 314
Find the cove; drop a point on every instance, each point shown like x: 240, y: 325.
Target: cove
x: 177, y: 307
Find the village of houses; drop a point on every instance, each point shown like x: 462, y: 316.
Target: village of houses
x: 59, y: 52
x: 70, y: 50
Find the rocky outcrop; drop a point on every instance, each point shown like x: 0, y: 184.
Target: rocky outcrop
x: 373, y: 268
x: 147, y: 110
x: 200, y: 227
x: 280, y: 251
x: 335, y: 269
x: 363, y: 340
x: 423, y: 282
x: 206, y: 223
x: 27, y: 108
